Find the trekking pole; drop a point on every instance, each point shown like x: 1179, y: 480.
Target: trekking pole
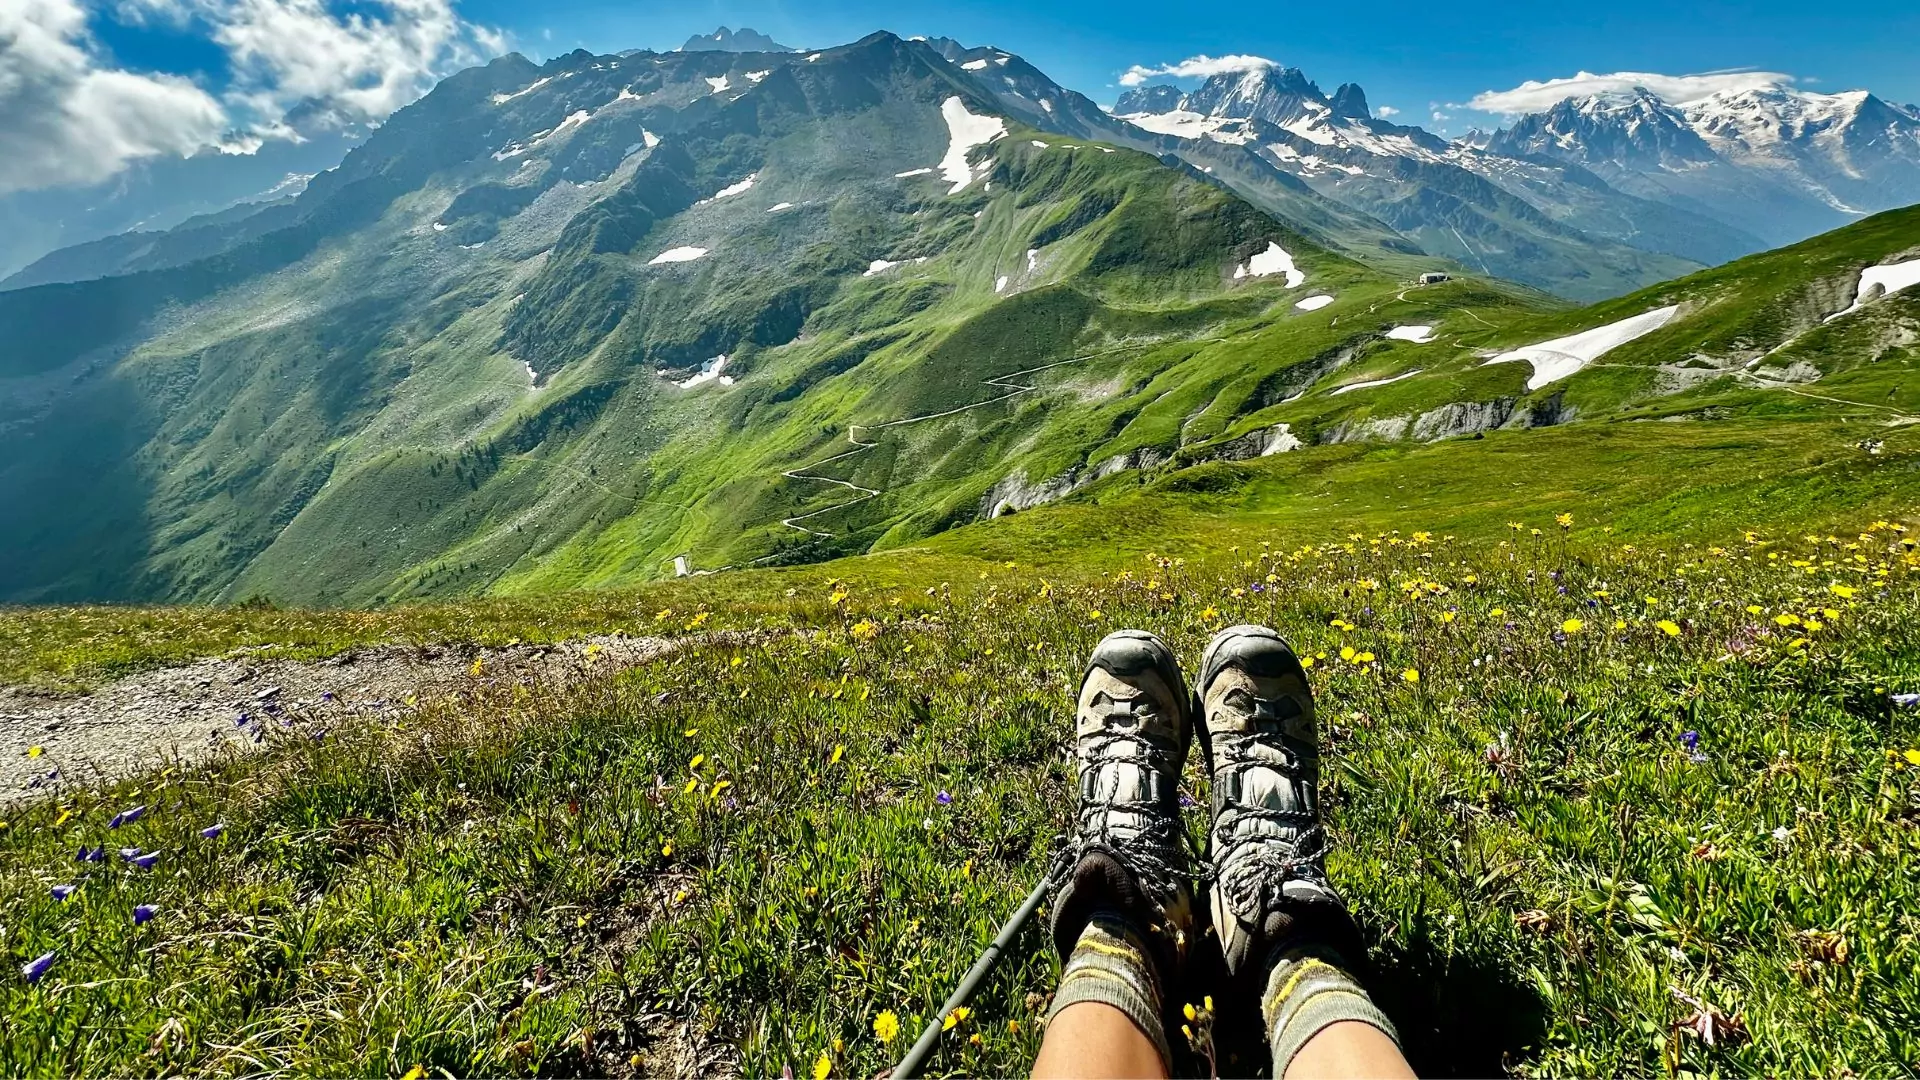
x: 916, y: 1058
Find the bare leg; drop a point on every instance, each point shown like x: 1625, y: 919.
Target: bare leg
x: 1094, y: 1040
x: 1349, y: 1051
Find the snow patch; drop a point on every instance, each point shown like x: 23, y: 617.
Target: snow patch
x: 1039, y: 144
x: 1033, y: 260
x: 1179, y: 123
x: 814, y: 57
x: 1047, y: 104
x: 967, y: 131
x: 1314, y: 303
x: 720, y: 85
x: 881, y: 266
x: 649, y: 138
x: 777, y: 207
x: 1274, y: 260
x: 731, y: 190
x: 756, y: 76
x: 1001, y: 285
x: 1376, y: 382
x: 1419, y: 335
x: 502, y: 99
x: 711, y: 371
x: 1555, y: 360
x: 974, y: 65
x: 912, y: 172
x: 437, y: 227
x: 678, y: 255
x: 1893, y: 278
x: 533, y: 377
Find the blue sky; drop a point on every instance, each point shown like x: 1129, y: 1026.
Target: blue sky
x: 89, y: 86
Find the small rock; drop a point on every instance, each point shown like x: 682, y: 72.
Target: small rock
x: 267, y: 694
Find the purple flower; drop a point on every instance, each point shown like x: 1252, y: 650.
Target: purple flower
x: 87, y: 854
x: 1256, y: 587
x: 1187, y: 800
x: 1691, y: 740
x: 129, y: 853
x: 1906, y: 699
x: 944, y: 799
x: 145, y: 862
x: 212, y: 832
x: 61, y: 892
x: 36, y: 967
x: 127, y: 817
x: 143, y: 912
x: 320, y: 735
x: 328, y: 696
x: 243, y: 720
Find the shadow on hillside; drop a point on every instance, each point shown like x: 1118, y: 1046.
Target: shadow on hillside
x: 1459, y: 1015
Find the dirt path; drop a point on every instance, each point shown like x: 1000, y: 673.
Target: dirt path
x: 185, y: 713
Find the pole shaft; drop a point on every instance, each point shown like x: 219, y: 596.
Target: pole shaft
x: 916, y: 1058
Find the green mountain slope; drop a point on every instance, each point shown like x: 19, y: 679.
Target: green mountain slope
x: 576, y: 324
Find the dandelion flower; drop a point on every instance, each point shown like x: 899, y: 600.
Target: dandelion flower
x: 838, y: 753
x: 886, y: 1027
x: 955, y: 1018
x: 1668, y: 627
x: 822, y: 1066
x: 1412, y: 675
x: 1572, y: 626
x: 1913, y: 758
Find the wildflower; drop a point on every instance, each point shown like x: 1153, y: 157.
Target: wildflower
x: 864, y: 630
x: 61, y: 892
x: 419, y: 1072
x: 692, y: 782
x: 87, y: 854
x: 1913, y: 758
x: 1209, y: 614
x: 1906, y: 699
x: 694, y: 765
x: 955, y: 1018
x: 127, y: 817
x: 142, y: 913
x: 886, y: 1027
x: 36, y: 751
x: 1497, y: 612
x: 1571, y: 626
x: 1347, y: 653
x: 838, y: 753
x: 1412, y: 675
x: 1565, y: 521
x: 1844, y: 592
x: 1668, y: 627
x: 145, y: 861
x: 1783, y: 834
x: 33, y: 969
x: 944, y: 798
x: 822, y: 1066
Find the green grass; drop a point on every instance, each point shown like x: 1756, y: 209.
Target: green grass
x: 557, y: 882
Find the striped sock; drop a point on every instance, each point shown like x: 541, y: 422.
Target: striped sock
x: 1308, y: 992
x: 1110, y: 965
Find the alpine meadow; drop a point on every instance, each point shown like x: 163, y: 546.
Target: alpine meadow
x: 596, y: 579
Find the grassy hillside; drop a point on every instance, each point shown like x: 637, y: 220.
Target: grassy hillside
x: 738, y: 856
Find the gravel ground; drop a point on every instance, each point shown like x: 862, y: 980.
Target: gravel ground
x: 185, y: 713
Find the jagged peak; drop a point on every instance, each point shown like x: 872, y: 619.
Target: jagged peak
x: 1351, y: 101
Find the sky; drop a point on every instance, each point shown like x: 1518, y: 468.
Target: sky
x: 89, y: 86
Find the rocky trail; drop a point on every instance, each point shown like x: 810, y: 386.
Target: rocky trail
x: 50, y: 742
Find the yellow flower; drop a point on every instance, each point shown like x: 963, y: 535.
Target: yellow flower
x: 692, y: 782
x: 1095, y: 615
x: 695, y: 763
x: 1572, y: 626
x: 36, y: 751
x: 1786, y: 618
x: 838, y: 753
x: 718, y: 787
x: 822, y: 1066
x: 1209, y: 614
x: 1347, y: 653
x: 1411, y: 675
x: 837, y: 597
x: 1446, y: 616
x: 1755, y: 609
x: 415, y: 1073
x: 886, y: 1027
x: 1364, y: 658
x: 1190, y: 1012
x: 1497, y: 612
x: 1565, y: 521
x: 864, y: 630
x: 666, y: 850
x: 1306, y: 661
x: 1668, y: 627
x: 955, y: 1018
x: 1913, y: 758
x: 1844, y: 592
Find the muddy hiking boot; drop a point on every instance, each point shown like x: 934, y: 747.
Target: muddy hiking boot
x: 1128, y: 887
x: 1267, y: 848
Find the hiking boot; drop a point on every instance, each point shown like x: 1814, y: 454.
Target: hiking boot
x: 1268, y: 848
x: 1129, y: 856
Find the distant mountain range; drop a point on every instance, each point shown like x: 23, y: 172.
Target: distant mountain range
x: 1703, y: 182
x: 742, y: 40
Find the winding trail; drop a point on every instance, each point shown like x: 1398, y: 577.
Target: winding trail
x: 1004, y: 383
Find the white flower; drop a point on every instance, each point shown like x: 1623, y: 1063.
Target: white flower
x: 1783, y: 834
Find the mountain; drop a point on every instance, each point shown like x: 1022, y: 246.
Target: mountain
x: 157, y: 194
x: 1779, y: 163
x: 742, y: 40
x: 577, y: 323
x: 560, y: 324
x: 1543, y: 222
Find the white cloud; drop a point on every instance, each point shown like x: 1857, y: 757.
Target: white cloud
x: 1534, y: 96
x: 362, y: 66
x: 66, y: 117
x: 1386, y: 110
x: 69, y: 116
x: 1197, y: 67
